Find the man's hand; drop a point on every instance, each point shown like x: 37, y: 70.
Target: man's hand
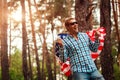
x: 59, y: 41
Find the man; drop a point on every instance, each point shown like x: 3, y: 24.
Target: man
x: 77, y: 47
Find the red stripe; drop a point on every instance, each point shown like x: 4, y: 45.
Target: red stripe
x: 94, y: 55
x: 100, y: 47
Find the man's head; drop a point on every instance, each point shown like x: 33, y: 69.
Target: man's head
x: 71, y: 25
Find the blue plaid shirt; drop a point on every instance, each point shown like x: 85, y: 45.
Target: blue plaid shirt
x: 79, y: 52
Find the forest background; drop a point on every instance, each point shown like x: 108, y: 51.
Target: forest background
x: 29, y: 28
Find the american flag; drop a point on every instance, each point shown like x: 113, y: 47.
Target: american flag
x: 65, y: 66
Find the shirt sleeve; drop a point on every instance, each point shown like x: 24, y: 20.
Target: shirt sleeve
x: 93, y: 45
x: 65, y: 55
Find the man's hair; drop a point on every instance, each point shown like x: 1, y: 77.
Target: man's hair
x: 67, y: 20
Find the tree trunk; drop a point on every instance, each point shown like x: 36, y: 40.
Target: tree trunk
x: 53, y: 51
x: 24, y: 44
x: 48, y: 64
x: 43, y: 62
x: 47, y: 60
x: 106, y: 57
x: 115, y: 12
x: 3, y: 37
x: 34, y: 41
x: 82, y: 14
x: 29, y: 62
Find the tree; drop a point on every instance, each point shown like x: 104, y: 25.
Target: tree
x: 34, y: 41
x: 24, y: 44
x: 83, y: 13
x: 3, y: 38
x: 47, y: 61
x: 106, y: 57
x: 115, y: 14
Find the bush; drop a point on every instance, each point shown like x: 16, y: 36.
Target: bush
x: 116, y: 72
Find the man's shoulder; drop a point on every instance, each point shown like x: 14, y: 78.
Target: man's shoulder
x: 82, y: 33
x: 65, y: 38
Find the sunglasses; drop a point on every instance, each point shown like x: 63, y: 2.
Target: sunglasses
x: 73, y: 23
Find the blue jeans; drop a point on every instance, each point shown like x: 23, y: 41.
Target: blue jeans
x: 95, y: 75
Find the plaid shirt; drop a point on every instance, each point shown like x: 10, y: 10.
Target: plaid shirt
x: 79, y: 52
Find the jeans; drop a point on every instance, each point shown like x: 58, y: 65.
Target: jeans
x: 95, y: 75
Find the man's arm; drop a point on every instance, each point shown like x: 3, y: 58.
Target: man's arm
x: 94, y: 45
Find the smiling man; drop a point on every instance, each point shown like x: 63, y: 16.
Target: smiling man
x: 77, y: 46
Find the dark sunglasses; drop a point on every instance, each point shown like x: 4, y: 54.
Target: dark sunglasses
x: 73, y: 23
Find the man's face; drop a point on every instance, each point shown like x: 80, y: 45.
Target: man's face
x: 73, y: 26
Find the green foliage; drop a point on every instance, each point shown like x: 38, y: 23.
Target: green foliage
x: 114, y: 54
x: 0, y: 74
x: 115, y: 66
x: 15, y: 75
x: 16, y: 66
x: 116, y: 72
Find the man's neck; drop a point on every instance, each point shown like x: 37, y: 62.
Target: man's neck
x: 74, y: 35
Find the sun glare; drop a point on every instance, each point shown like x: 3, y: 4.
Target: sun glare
x: 17, y: 16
